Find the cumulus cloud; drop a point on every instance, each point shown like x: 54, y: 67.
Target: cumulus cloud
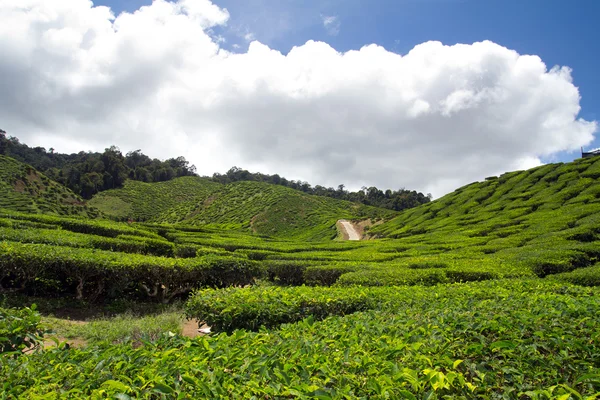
x: 74, y: 76
x: 332, y: 24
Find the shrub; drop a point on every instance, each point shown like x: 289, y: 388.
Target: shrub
x: 286, y: 272
x: 584, y: 277
x: 20, y: 329
x: 251, y: 308
x: 325, y: 275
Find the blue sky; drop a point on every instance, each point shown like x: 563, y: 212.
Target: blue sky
x: 560, y: 32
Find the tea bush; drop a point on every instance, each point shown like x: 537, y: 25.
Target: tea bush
x: 20, y: 330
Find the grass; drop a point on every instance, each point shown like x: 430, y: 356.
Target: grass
x: 123, y: 328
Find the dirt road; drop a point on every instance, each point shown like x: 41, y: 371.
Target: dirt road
x: 352, y: 233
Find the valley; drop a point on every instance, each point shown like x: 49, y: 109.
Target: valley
x: 488, y: 292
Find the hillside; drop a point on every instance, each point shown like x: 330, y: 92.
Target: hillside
x: 546, y: 217
x: 279, y: 211
x: 254, y: 207
x: 88, y: 173
x: 24, y: 189
x: 169, y: 201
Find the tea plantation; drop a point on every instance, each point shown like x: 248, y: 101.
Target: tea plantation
x: 488, y: 292
x: 251, y: 207
x: 22, y: 188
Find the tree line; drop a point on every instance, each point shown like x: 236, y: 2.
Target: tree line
x: 87, y: 173
x: 391, y: 199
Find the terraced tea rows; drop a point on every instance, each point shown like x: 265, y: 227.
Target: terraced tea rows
x: 390, y: 317
x: 251, y: 207
x: 24, y: 189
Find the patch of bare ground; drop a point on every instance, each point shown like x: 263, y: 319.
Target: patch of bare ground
x: 19, y: 186
x: 74, y: 343
x: 348, y: 230
x: 32, y: 176
x: 362, y: 227
x: 192, y: 329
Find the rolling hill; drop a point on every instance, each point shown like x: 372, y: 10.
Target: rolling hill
x: 254, y: 207
x: 547, y: 218
x: 168, y: 202
x: 24, y: 189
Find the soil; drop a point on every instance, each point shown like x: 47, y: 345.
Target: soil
x: 75, y: 342
x: 190, y: 329
x: 19, y: 186
x: 360, y: 227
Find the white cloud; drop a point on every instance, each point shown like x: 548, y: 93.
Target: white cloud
x: 332, y: 24
x: 74, y: 77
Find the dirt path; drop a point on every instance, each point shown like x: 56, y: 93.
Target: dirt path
x: 190, y: 329
x: 349, y: 230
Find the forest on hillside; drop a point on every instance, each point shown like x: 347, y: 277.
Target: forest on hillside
x: 87, y: 173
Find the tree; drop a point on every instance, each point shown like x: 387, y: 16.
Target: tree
x: 114, y: 167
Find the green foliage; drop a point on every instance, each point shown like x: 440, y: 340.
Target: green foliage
x: 20, y: 330
x: 169, y: 201
x: 87, y: 173
x: 251, y: 207
x: 92, y: 274
x: 546, y: 220
x: 585, y: 276
x: 515, y: 339
x: 252, y: 308
x: 59, y: 237
x: 396, y: 200
x: 369, y: 335
x: 24, y: 189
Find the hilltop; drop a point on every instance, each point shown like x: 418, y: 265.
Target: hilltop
x: 254, y: 207
x: 24, y: 189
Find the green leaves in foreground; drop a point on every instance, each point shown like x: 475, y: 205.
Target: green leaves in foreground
x: 20, y: 330
x: 512, y: 340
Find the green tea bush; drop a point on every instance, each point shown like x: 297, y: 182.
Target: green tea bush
x: 151, y: 246
x: 90, y: 274
x: 186, y: 251
x: 516, y: 339
x: 585, y: 276
x: 251, y: 308
x: 60, y: 237
x: 393, y: 276
x: 326, y: 275
x: 20, y: 330
x: 286, y: 272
